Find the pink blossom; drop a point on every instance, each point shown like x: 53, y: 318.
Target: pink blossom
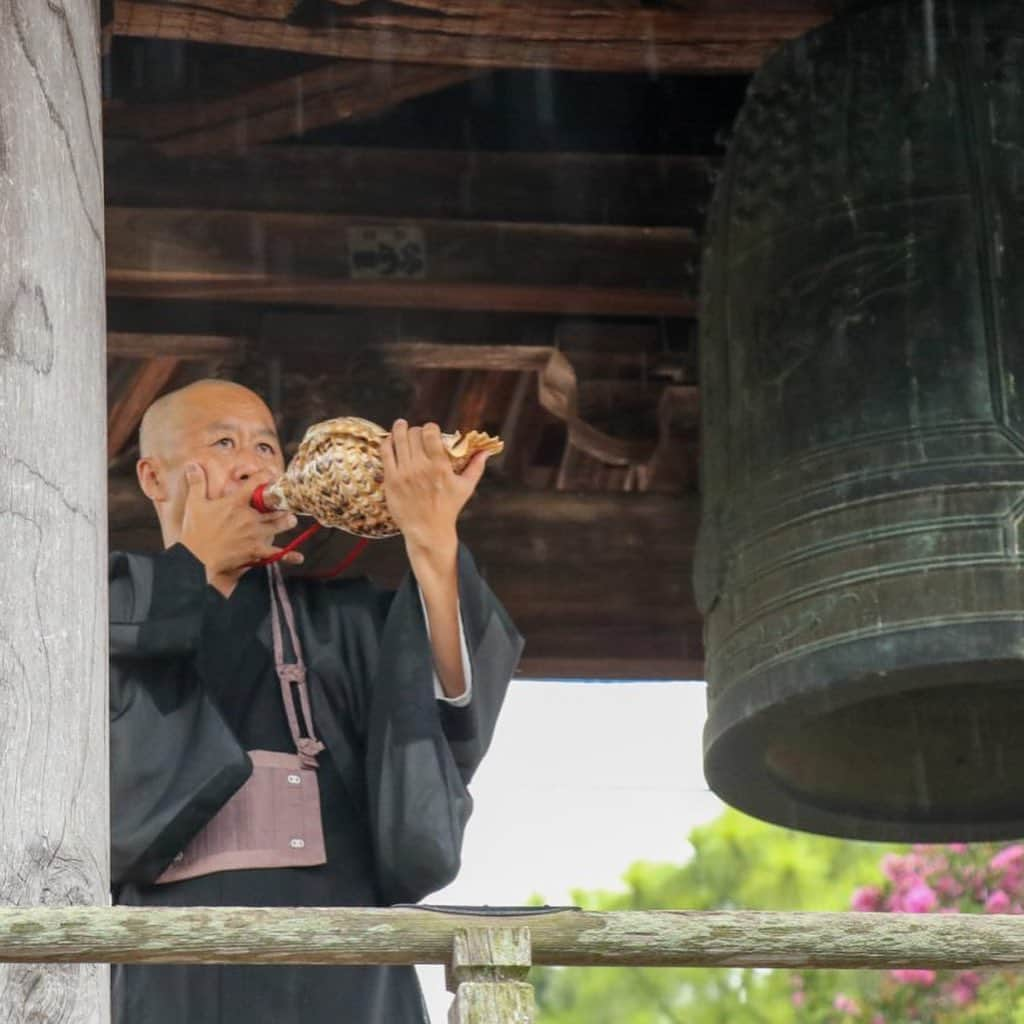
x: 867, y: 898
x: 798, y: 998
x: 894, y: 867
x: 965, y: 988
x: 972, y: 876
x: 1009, y: 859
x: 878, y: 1019
x: 844, y: 1004
x: 957, y: 847
x: 947, y: 885
x: 997, y: 903
x: 1010, y: 883
x: 919, y: 899
x: 914, y: 976
x: 963, y: 994
x: 902, y: 869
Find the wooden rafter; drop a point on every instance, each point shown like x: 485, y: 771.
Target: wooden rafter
x: 143, y: 388
x: 563, y: 188
x: 556, y: 383
x: 188, y: 347
x: 328, y: 260
x: 597, y: 348
x: 628, y: 36
x: 341, y: 91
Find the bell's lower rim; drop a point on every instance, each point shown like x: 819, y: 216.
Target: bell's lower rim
x: 926, y: 746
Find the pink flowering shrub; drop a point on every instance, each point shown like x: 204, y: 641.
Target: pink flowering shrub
x: 953, y: 879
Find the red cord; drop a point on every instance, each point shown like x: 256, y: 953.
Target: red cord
x: 291, y: 546
x: 258, y: 503
x: 337, y: 570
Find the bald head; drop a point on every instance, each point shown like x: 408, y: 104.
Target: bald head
x: 169, y: 418
x: 224, y: 429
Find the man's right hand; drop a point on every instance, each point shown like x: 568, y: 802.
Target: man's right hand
x: 227, y: 534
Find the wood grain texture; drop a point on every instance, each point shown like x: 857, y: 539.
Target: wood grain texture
x: 487, y: 974
x: 482, y: 954
x: 492, y: 1002
x: 621, y: 37
x: 187, y: 347
x: 53, y: 629
x: 305, y: 258
x: 444, y: 296
x: 335, y: 935
x: 340, y: 91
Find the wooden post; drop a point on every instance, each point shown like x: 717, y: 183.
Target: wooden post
x: 487, y: 975
x: 53, y: 607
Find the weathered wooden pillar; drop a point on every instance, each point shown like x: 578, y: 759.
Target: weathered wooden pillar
x: 488, y: 977
x: 53, y: 647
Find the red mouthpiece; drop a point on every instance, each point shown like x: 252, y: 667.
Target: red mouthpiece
x: 257, y: 501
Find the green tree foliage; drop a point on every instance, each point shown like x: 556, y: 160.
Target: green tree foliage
x: 737, y: 862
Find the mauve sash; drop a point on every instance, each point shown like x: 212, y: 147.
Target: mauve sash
x: 273, y: 821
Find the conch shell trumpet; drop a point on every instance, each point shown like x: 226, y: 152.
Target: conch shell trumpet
x: 337, y: 475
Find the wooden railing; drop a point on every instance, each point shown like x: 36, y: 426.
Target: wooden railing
x: 488, y: 956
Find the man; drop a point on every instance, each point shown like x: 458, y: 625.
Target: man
x: 404, y: 689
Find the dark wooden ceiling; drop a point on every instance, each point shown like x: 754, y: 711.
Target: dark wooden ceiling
x: 485, y: 214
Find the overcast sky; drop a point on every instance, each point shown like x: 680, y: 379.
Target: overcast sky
x: 582, y: 780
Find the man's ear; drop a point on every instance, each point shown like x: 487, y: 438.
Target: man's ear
x: 151, y: 478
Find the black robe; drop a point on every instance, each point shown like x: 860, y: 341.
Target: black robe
x: 193, y: 687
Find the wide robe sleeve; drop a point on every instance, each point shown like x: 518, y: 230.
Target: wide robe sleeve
x: 173, y: 760
x: 422, y: 753
x: 415, y: 755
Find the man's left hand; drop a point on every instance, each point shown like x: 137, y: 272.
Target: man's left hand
x: 424, y: 493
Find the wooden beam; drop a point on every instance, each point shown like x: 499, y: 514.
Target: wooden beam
x: 188, y: 347
x: 329, y: 260
x: 475, y: 398
x: 556, y: 384
x: 54, y: 807
x: 642, y: 347
x: 567, y: 567
x: 558, y: 937
x: 595, y: 348
x: 430, y: 399
x: 559, y: 188
x: 627, y: 36
x: 340, y: 91
x: 142, y: 390
x: 453, y: 296
x: 425, y: 355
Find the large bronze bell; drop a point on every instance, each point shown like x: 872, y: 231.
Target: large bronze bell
x: 860, y: 561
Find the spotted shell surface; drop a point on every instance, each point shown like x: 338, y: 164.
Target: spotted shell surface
x: 337, y: 475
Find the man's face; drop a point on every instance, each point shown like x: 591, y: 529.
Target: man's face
x: 230, y: 433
